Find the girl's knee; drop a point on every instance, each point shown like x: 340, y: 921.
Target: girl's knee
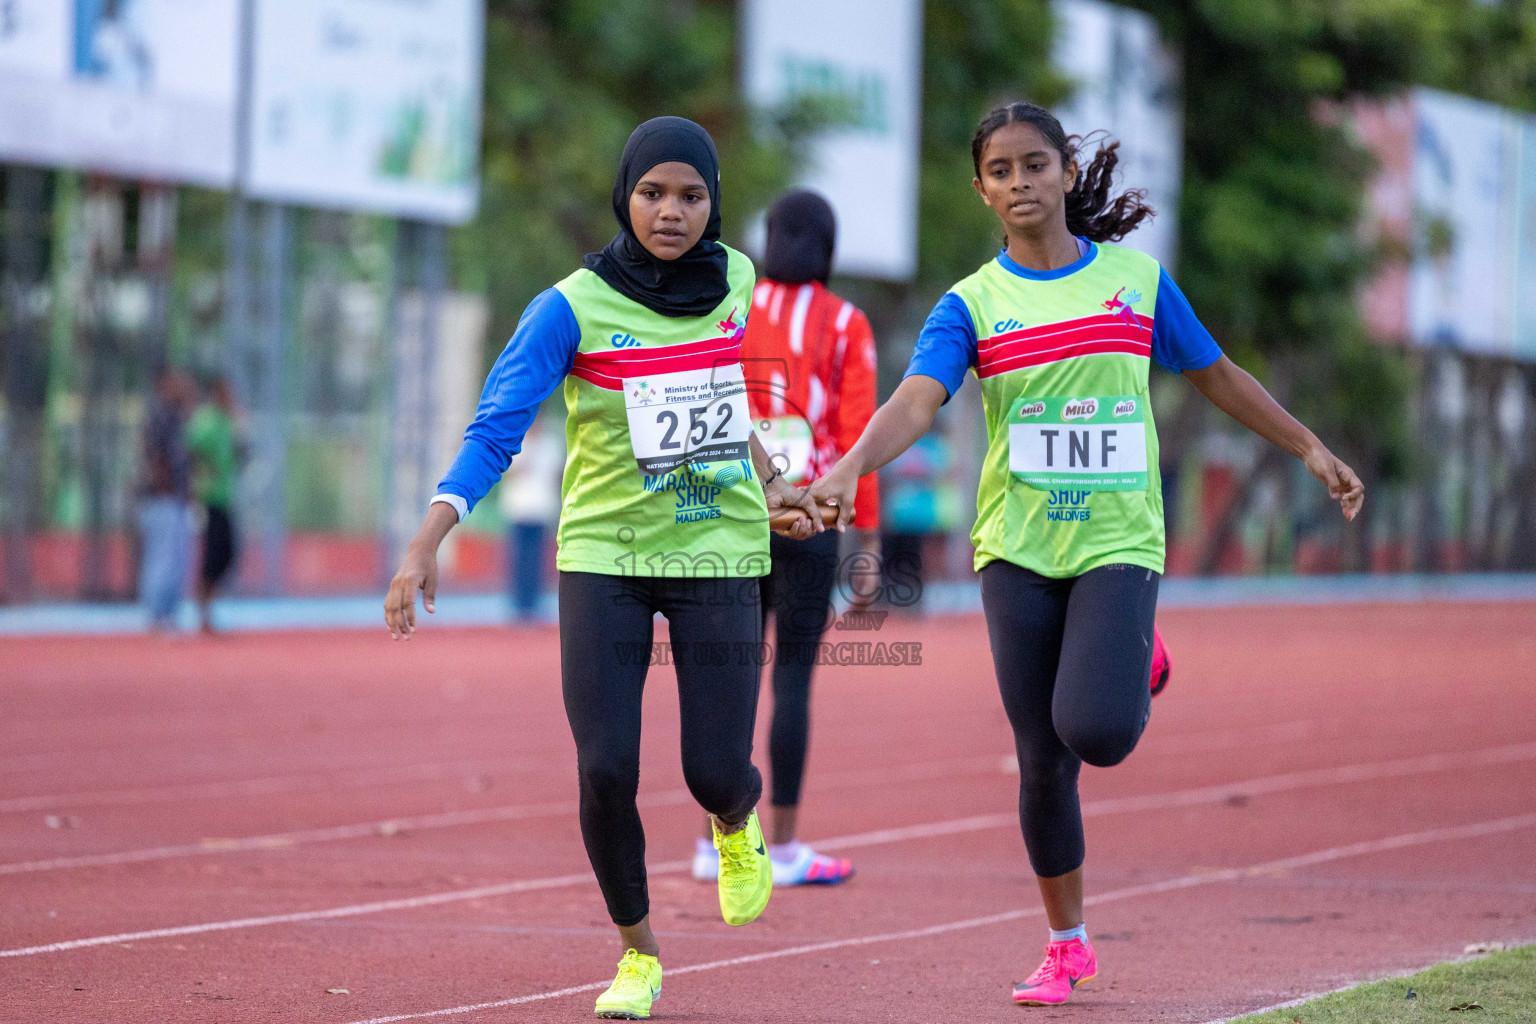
x: 722, y: 791
x: 609, y: 781
x: 1103, y: 746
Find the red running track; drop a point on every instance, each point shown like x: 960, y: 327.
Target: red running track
x: 223, y: 830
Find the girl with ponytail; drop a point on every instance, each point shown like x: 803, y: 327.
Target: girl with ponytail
x: 1061, y: 329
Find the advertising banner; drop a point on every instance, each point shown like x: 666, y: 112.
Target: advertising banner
x: 865, y: 56
x: 1454, y: 197
x: 1462, y: 285
x: 368, y: 105
x: 136, y: 88
x: 1126, y: 85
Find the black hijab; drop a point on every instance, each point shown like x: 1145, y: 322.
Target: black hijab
x: 694, y: 283
x: 801, y: 230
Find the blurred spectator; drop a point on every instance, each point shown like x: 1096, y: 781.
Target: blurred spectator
x: 213, y: 447
x: 164, y: 513
x: 530, y: 503
x: 919, y: 501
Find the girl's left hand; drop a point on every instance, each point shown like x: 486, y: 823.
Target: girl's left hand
x: 781, y: 494
x: 1342, y: 483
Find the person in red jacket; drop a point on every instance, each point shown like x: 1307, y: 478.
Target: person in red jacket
x: 809, y: 359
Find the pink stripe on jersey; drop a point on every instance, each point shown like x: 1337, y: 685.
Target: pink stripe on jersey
x: 1069, y: 339
x: 608, y: 369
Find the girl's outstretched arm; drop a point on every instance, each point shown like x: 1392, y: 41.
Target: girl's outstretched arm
x: 418, y: 571
x: 1234, y: 391
x: 893, y: 429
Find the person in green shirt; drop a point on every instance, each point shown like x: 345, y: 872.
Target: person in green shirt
x: 211, y: 440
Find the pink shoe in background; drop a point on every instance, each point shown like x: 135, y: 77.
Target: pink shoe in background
x: 1067, y: 965
x: 1161, y: 666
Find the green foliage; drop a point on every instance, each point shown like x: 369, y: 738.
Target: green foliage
x: 1490, y: 52
x: 566, y: 81
x: 977, y: 54
x: 1270, y: 252
x: 1274, y: 193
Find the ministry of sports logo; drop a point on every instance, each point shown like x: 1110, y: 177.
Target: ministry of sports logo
x: 644, y: 393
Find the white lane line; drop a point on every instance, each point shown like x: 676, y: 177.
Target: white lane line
x: 1416, y: 765
x: 342, y: 777
x: 1398, y: 842
x: 382, y: 906
x: 270, y: 785
x: 456, y: 819
x: 1420, y: 764
x: 951, y: 827
x: 425, y: 772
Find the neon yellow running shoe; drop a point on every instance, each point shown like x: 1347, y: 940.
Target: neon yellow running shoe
x: 746, y: 873
x: 637, y: 984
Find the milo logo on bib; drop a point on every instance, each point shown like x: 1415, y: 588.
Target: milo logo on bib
x: 1094, y: 442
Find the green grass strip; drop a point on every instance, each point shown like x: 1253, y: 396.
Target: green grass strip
x: 1503, y: 984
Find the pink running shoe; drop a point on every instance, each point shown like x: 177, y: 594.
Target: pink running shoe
x: 1161, y: 665
x: 1067, y: 965
x: 798, y: 864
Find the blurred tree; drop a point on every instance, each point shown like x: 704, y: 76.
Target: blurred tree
x: 1274, y: 190
x: 1271, y: 253
x: 977, y: 54
x: 566, y: 81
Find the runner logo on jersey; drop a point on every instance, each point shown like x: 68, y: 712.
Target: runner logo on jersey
x: 1121, y: 307
x: 730, y: 328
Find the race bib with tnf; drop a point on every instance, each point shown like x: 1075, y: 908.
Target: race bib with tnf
x: 1096, y: 443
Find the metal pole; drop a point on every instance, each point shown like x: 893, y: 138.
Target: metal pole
x: 433, y: 272
x: 395, y: 525
x: 156, y: 256
x: 26, y: 372
x: 271, y: 447
x: 237, y: 301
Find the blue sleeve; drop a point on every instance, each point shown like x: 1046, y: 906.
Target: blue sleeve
x: 946, y: 346
x: 528, y: 370
x: 1179, y: 340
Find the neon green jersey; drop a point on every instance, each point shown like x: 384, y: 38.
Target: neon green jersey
x: 658, y: 475
x: 1070, y: 481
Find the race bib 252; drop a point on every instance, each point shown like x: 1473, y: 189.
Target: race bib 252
x: 690, y: 416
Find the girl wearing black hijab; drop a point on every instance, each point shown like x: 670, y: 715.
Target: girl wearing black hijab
x: 665, y: 508
x: 810, y: 360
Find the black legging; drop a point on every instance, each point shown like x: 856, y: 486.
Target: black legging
x: 1073, y: 659
x: 799, y: 590
x: 605, y: 651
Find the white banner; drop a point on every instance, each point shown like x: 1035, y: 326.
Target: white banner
x: 368, y: 104
x: 866, y: 56
x: 136, y: 88
x: 1127, y: 84
x: 1466, y: 175
x: 1525, y: 256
